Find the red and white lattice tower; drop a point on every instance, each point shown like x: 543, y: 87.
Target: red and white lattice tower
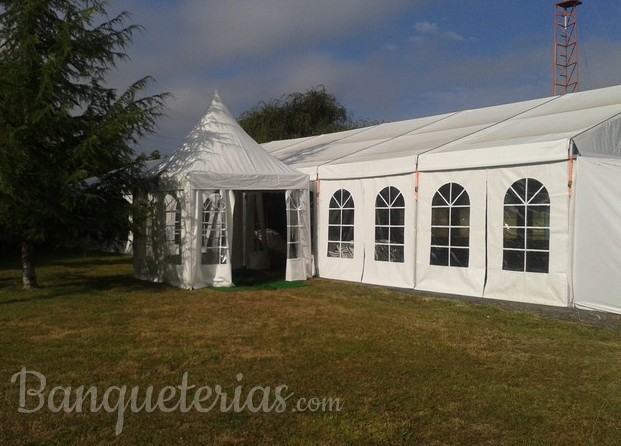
x: 565, y: 77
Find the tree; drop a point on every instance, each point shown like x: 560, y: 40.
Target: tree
x: 60, y: 123
x: 296, y: 115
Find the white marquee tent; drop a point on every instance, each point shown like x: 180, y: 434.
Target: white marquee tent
x: 207, y: 207
x: 517, y: 202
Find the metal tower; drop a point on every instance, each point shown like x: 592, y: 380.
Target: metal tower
x: 565, y: 77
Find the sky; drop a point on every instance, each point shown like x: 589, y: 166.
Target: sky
x: 384, y: 60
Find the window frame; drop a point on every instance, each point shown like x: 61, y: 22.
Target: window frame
x: 526, y: 227
x: 214, y: 227
x: 451, y: 253
x: 337, y: 247
x: 294, y: 225
x: 172, y: 229
x: 389, y: 203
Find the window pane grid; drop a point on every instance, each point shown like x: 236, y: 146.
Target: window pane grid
x: 450, y: 226
x: 390, y: 225
x: 341, y: 215
x: 214, y: 232
x: 172, y: 229
x: 526, y: 235
x: 294, y: 226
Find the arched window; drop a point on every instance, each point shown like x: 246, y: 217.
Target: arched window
x: 450, y: 226
x: 172, y: 229
x: 341, y: 225
x: 526, y: 238
x: 215, y: 248
x: 389, y: 225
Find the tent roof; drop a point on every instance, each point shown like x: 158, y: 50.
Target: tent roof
x: 218, y: 153
x: 525, y: 132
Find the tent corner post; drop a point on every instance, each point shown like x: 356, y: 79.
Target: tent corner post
x: 570, y: 175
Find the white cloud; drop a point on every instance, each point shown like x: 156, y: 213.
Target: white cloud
x: 427, y: 31
x: 426, y: 28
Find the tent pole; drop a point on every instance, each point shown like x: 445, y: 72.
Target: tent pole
x: 570, y: 175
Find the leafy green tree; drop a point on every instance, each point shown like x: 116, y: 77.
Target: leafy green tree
x: 60, y: 123
x: 297, y: 115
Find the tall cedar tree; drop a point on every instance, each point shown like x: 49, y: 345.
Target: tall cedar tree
x: 297, y: 115
x: 59, y: 121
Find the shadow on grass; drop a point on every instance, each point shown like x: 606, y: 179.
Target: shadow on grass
x: 88, y: 262
x: 71, y: 275
x: 73, y: 259
x: 79, y: 286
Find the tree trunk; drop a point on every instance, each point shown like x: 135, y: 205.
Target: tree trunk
x: 29, y: 277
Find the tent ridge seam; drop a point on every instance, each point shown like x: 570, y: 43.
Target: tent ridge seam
x: 486, y: 128
x: 389, y: 139
x: 360, y: 130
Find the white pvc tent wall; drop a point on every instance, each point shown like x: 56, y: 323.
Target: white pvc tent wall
x: 596, y: 236
x: 189, y: 239
x: 570, y: 144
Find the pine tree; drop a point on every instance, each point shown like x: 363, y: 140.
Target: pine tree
x: 60, y: 123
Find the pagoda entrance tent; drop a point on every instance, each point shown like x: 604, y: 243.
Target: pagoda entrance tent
x: 206, y: 206
x: 517, y: 202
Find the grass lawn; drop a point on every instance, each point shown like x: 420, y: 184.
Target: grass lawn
x: 406, y: 369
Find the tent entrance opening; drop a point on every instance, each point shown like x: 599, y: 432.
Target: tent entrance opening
x: 259, y: 248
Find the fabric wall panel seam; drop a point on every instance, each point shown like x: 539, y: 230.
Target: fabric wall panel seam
x: 546, y: 288
x: 339, y: 267
x: 468, y: 280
